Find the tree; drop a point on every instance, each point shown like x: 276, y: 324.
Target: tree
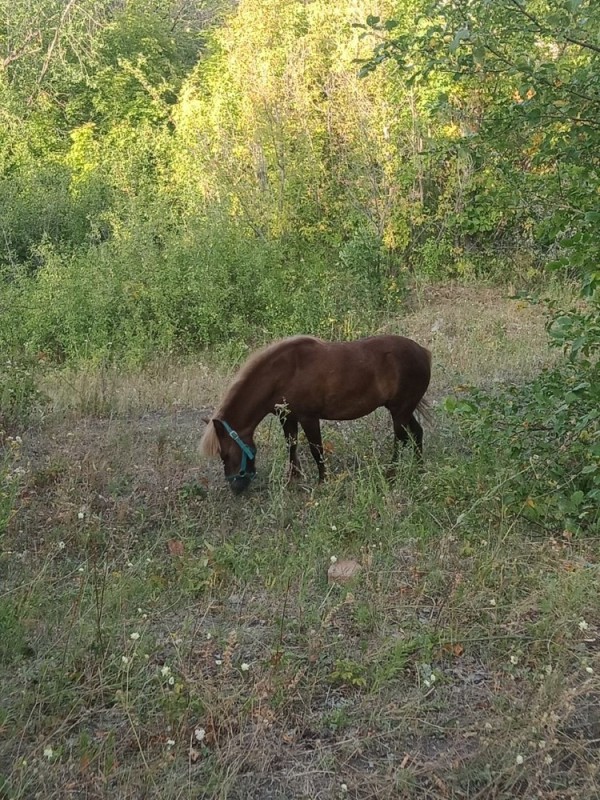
x: 538, y: 65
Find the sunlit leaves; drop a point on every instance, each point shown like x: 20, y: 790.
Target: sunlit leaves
x: 460, y: 36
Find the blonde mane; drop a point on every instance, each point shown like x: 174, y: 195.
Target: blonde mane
x: 209, y: 444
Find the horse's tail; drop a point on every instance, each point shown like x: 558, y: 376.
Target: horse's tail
x: 424, y: 410
x: 209, y: 444
x: 424, y: 406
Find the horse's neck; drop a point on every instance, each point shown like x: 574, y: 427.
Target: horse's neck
x: 246, y: 407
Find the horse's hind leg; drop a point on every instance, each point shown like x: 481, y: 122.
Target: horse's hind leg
x: 312, y: 429
x: 415, y: 430
x: 290, y: 431
x: 405, y: 431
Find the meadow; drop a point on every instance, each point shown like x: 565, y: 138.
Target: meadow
x: 160, y: 638
x: 182, y: 181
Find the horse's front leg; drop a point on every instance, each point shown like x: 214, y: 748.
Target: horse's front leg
x: 290, y: 431
x: 312, y: 429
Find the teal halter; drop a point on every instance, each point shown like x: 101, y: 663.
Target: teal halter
x: 248, y: 454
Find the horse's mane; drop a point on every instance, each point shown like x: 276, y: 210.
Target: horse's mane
x: 209, y: 444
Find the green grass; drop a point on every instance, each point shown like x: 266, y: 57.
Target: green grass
x: 163, y: 639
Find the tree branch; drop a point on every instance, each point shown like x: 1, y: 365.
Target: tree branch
x: 51, y: 46
x: 19, y: 52
x: 542, y: 29
x: 534, y: 77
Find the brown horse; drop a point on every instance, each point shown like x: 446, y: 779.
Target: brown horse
x: 304, y: 380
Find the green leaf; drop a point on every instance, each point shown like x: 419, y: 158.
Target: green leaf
x: 577, y: 498
x: 479, y: 55
x: 533, y: 114
x: 459, y: 37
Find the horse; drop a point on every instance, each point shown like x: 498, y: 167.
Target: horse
x: 303, y: 380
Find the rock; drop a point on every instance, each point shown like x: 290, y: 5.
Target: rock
x: 343, y: 571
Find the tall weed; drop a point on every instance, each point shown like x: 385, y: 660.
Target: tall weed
x: 187, y: 287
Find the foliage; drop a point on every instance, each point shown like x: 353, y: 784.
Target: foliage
x: 531, y: 72
x: 174, y: 176
x: 139, y: 294
x: 129, y: 131
x: 546, y: 434
x: 523, y: 103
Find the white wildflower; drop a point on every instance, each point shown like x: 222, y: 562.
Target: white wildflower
x: 245, y: 667
x: 135, y: 636
x: 519, y: 759
x: 199, y: 733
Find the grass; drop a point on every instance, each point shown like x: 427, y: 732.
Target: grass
x: 162, y: 639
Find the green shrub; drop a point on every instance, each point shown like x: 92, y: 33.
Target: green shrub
x: 157, y: 285
x: 549, y: 433
x: 18, y: 392
x: 38, y: 206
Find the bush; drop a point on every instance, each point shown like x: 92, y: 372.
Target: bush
x: 157, y: 285
x: 549, y: 433
x: 39, y: 206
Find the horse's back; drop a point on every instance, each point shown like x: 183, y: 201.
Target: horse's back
x: 390, y: 353
x: 385, y: 354
x: 399, y: 364
x: 345, y: 380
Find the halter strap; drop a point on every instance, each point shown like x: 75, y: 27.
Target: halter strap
x: 248, y: 453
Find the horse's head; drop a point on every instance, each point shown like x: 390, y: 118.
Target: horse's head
x: 237, y: 454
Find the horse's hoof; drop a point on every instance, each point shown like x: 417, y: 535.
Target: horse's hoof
x: 391, y: 474
x: 294, y: 474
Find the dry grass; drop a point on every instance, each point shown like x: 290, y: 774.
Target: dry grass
x: 480, y: 336
x: 164, y: 386
x: 161, y: 639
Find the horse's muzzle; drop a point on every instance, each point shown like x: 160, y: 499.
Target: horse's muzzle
x: 239, y: 484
